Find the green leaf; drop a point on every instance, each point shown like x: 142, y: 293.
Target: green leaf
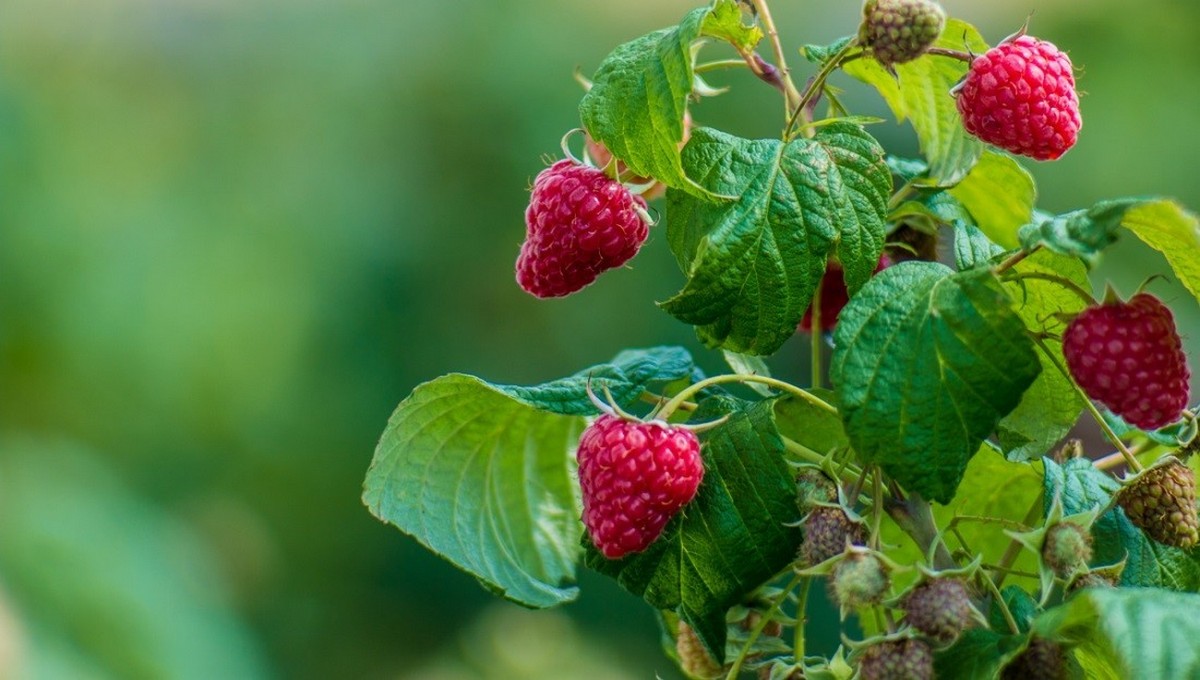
x: 1083, y: 487
x: 626, y: 377
x: 732, y: 538
x: 819, y: 54
x: 920, y: 91
x: 972, y: 248
x: 1175, y: 232
x: 1051, y: 406
x: 486, y: 481
x: 810, y: 426
x: 724, y: 22
x: 754, y: 263
x: 639, y: 94
x: 1020, y: 604
x: 927, y: 363
x: 979, y: 654
x: 1083, y: 233
x: 1139, y: 633
x: 1000, y: 196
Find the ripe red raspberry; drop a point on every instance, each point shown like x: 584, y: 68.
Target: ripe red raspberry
x: 1128, y: 356
x: 635, y: 477
x: 1020, y: 96
x: 834, y: 295
x: 579, y: 224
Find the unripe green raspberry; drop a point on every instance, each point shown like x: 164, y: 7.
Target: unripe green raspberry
x: 827, y: 532
x: 813, y: 487
x: 1162, y: 501
x: 1067, y: 547
x: 898, y: 31
x: 940, y: 608
x: 694, y: 659
x: 897, y: 660
x: 860, y: 580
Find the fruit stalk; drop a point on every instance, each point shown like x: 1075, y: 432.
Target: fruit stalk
x: 790, y: 92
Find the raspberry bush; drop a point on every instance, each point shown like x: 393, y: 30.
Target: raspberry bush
x: 928, y: 487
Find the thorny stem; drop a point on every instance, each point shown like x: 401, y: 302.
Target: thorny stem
x: 815, y: 86
x: 1108, y: 431
x: 1075, y: 288
x: 1015, y: 260
x: 915, y: 517
x: 1014, y: 546
x: 790, y: 93
x: 766, y: 618
x: 1018, y: 526
x: 780, y: 385
x: 1014, y: 572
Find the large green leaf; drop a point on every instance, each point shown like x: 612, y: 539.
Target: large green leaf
x: 1000, y: 196
x: 639, y: 94
x: 920, y: 91
x: 737, y: 533
x: 979, y: 654
x: 1051, y: 406
x: 753, y: 263
x: 1175, y: 232
x: 483, y: 475
x: 1141, y: 633
x: 1082, y: 487
x: 927, y: 363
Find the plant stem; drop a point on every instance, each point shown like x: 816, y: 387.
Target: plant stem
x: 719, y: 64
x: 1014, y: 546
x: 953, y: 54
x: 1084, y: 295
x: 1008, y: 617
x: 760, y: 626
x: 801, y: 620
x: 814, y: 87
x: 1116, y: 458
x: 802, y: 452
x: 1087, y: 402
x: 876, y: 508
x: 1015, y: 260
x: 915, y: 516
x: 780, y: 385
x: 991, y: 520
x: 790, y: 93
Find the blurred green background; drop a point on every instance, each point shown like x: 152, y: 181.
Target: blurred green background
x: 233, y: 235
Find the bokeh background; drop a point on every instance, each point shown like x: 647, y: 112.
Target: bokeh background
x: 234, y: 234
